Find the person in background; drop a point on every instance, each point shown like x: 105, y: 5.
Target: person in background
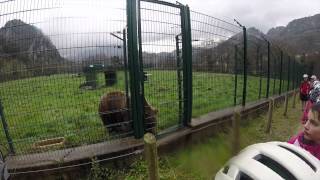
x: 309, y: 139
x: 314, y: 95
x: 313, y: 79
x: 304, y: 91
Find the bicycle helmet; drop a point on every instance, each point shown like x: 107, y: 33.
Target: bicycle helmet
x: 305, y: 76
x: 271, y: 160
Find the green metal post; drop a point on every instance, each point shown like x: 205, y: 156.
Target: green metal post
x: 294, y: 74
x: 274, y: 75
x: 257, y: 60
x: 6, y: 129
x: 260, y: 78
x: 179, y: 77
x: 125, y: 59
x: 135, y: 74
x: 288, y: 87
x: 235, y: 75
x: 141, y: 64
x: 268, y: 72
x: 281, y: 64
x: 299, y: 75
x: 187, y: 64
x: 244, y: 93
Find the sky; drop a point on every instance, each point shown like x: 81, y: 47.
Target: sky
x: 71, y: 23
x: 262, y: 14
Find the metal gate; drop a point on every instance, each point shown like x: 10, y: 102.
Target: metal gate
x: 163, y: 37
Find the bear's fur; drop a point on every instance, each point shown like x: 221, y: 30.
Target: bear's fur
x: 115, y: 114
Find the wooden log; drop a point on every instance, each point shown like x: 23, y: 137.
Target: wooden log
x: 151, y: 155
x: 236, y: 132
x: 294, y: 98
x: 286, y: 104
x: 269, y: 115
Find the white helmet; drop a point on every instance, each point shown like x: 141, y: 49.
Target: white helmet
x: 305, y: 76
x: 272, y: 160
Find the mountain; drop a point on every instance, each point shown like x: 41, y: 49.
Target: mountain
x: 24, y: 47
x: 301, y: 36
x: 221, y: 57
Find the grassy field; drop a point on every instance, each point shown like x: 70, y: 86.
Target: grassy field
x: 54, y: 106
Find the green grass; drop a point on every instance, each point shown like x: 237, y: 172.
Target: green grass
x: 54, y: 106
x: 206, y: 158
x: 203, y: 160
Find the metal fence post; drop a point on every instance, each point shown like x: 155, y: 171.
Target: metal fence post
x: 134, y: 70
x: 244, y: 93
x: 179, y: 77
x: 235, y: 74
x: 268, y: 72
x: 244, y: 90
x: 187, y: 64
x: 288, y: 87
x: 260, y: 79
x: 6, y: 129
x: 140, y: 57
x: 299, y: 75
x: 274, y: 75
x: 257, y: 62
x: 125, y: 62
x: 281, y: 65
x: 294, y: 74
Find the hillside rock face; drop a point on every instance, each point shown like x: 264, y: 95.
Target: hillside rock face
x: 25, y: 46
x: 300, y: 35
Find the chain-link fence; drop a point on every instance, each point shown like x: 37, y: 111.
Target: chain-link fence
x: 79, y: 73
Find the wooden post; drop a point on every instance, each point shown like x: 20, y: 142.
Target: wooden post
x: 294, y: 98
x: 286, y: 104
x: 236, y: 132
x: 150, y: 148
x: 269, y: 118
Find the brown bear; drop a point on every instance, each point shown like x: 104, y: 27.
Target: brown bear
x: 115, y: 115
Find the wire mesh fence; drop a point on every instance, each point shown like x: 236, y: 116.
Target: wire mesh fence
x: 161, y: 61
x: 66, y: 76
x: 58, y: 60
x: 217, y: 54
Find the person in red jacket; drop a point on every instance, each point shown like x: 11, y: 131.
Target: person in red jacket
x: 304, y: 91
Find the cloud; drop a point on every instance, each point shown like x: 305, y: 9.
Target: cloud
x: 261, y: 14
x: 71, y: 23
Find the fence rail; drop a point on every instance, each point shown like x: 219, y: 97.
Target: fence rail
x: 73, y: 74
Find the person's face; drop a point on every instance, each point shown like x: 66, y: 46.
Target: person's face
x: 305, y: 79
x: 312, y: 127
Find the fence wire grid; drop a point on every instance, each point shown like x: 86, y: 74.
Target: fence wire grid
x: 65, y: 70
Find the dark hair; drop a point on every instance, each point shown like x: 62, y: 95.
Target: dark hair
x: 316, y: 108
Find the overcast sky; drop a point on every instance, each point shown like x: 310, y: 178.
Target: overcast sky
x: 77, y: 22
x: 263, y: 14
